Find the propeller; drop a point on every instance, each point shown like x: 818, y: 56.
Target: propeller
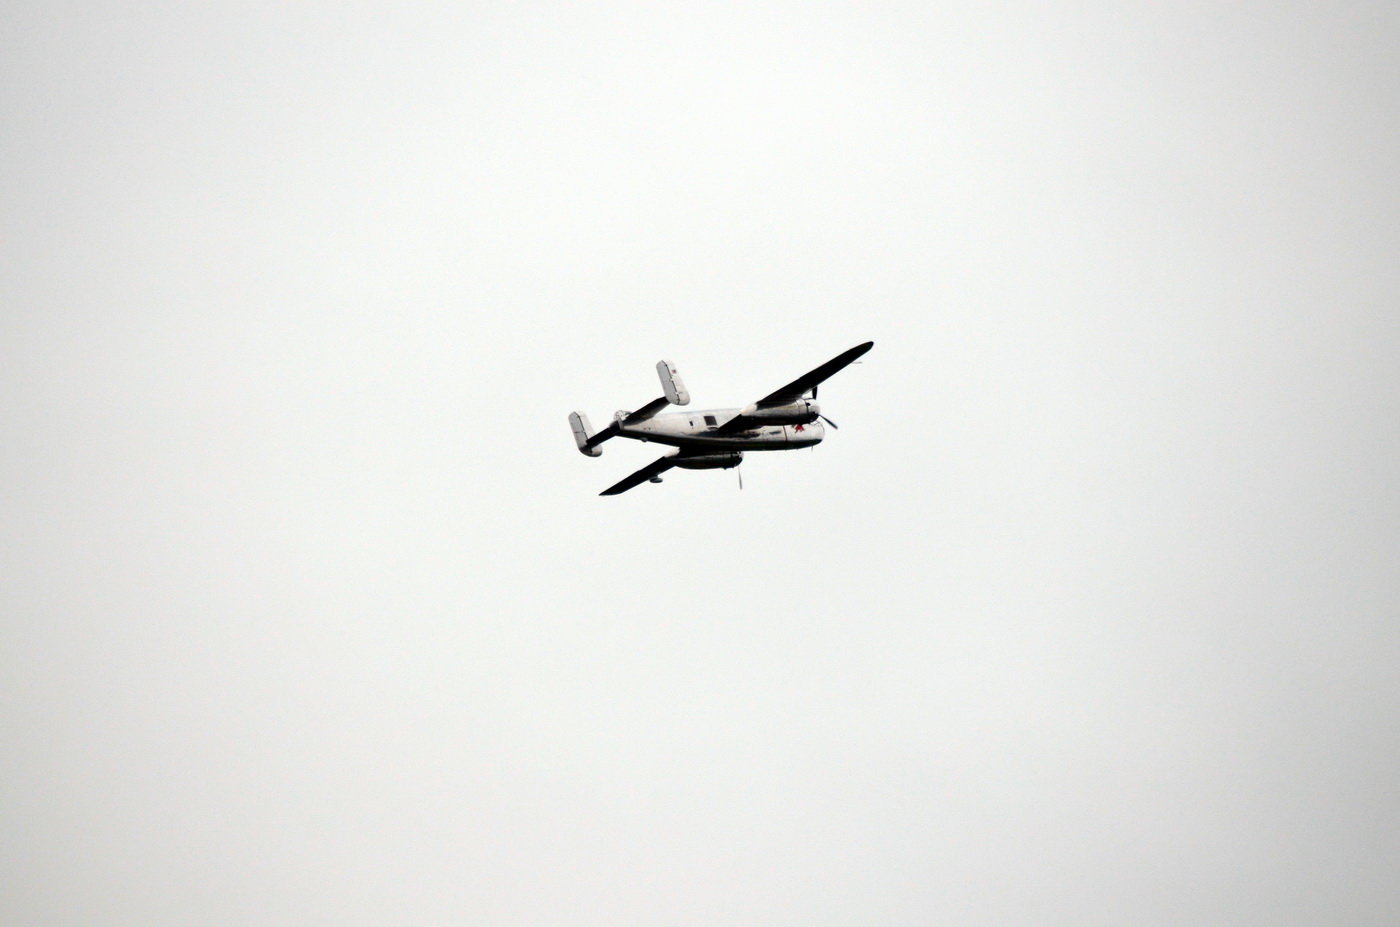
x: 819, y: 415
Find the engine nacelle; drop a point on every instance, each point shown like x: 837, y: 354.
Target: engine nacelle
x: 797, y: 412
x: 721, y: 461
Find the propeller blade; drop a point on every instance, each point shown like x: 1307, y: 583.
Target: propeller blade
x: 828, y: 421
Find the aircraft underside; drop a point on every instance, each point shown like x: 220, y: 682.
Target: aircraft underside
x: 786, y: 419
x: 771, y: 438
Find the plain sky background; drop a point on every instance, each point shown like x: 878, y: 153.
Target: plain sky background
x: 1089, y: 613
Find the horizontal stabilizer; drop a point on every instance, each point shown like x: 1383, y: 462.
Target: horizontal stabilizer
x: 646, y: 411
x: 610, y: 432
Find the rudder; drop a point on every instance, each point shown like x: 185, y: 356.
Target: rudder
x: 583, y: 431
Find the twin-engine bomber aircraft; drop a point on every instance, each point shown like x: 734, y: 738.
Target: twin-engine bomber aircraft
x: 716, y: 438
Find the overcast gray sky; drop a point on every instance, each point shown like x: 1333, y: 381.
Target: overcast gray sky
x: 311, y: 614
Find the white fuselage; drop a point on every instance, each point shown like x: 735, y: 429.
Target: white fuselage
x: 696, y: 431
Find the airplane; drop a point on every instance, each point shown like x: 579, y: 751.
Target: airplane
x: 783, y: 420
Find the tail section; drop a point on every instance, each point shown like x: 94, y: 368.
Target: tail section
x: 671, y: 384
x: 586, y: 438
x: 583, y: 430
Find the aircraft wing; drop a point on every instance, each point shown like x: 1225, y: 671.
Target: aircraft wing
x: 655, y: 468
x: 812, y: 378
x: 808, y: 381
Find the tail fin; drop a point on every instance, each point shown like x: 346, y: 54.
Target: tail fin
x: 671, y: 384
x: 583, y: 430
x: 586, y: 438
